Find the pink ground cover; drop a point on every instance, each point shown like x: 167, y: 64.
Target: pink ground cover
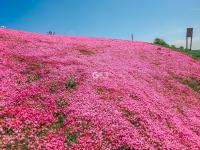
x: 127, y: 95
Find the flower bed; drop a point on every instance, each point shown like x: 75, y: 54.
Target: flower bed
x: 61, y: 92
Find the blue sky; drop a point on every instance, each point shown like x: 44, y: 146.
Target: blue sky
x: 146, y: 19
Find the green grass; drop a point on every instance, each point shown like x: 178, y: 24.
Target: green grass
x: 194, y: 53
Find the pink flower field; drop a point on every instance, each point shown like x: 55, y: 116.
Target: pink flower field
x: 59, y: 92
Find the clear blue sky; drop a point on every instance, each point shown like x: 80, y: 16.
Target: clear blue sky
x: 117, y: 19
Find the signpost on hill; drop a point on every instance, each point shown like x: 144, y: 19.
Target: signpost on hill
x: 132, y: 37
x: 189, y: 34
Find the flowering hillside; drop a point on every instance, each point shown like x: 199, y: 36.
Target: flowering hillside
x: 60, y: 92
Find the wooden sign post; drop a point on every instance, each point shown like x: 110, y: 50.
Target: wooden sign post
x: 189, y: 34
x: 132, y: 37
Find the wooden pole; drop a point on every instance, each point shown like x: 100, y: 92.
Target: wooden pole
x: 191, y: 44
x: 189, y: 34
x: 186, y: 42
x: 132, y: 37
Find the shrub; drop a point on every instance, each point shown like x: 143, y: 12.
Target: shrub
x: 161, y: 42
x: 70, y: 84
x: 71, y: 138
x: 181, y: 48
x: 173, y: 47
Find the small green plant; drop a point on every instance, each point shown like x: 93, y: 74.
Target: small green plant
x: 71, y: 138
x: 60, y: 119
x: 7, y: 130
x: 70, y: 84
x: 33, y: 78
x: 99, y: 90
x: 125, y: 148
x: 8, y: 146
x: 24, y: 145
x: 34, y: 66
x: 16, y: 145
x: 61, y: 102
x: 41, y: 132
x: 37, y: 96
x: 132, y: 118
x: 53, y: 88
x: 135, y: 122
x: 18, y: 81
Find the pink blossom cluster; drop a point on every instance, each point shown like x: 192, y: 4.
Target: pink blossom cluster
x: 49, y: 98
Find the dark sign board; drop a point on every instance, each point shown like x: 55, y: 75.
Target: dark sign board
x: 189, y: 32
